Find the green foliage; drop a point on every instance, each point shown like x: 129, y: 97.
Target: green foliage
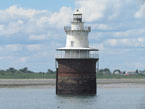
x: 137, y: 71
x: 24, y: 73
x: 118, y: 76
x: 105, y: 71
x: 117, y: 70
x: 24, y: 70
x: 51, y: 72
x: 12, y: 70
x: 8, y: 75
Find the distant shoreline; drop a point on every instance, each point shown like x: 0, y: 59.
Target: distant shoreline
x: 46, y: 83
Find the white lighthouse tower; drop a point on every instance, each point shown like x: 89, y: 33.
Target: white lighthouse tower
x: 76, y: 71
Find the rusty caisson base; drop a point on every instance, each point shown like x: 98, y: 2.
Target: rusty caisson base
x: 76, y: 76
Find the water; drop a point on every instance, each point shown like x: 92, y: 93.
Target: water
x: 106, y: 98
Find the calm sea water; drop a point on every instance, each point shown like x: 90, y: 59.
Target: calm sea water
x: 106, y: 98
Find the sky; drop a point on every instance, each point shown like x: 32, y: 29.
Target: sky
x: 31, y: 30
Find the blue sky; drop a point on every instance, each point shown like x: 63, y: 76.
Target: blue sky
x: 31, y: 30
x: 53, y: 5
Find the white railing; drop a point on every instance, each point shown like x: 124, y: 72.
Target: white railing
x: 89, y: 56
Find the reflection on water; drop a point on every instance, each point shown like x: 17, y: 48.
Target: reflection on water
x: 73, y: 102
x: 106, y: 98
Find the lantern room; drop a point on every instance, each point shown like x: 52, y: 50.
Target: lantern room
x: 77, y: 16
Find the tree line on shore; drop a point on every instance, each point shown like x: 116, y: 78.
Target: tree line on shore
x: 25, y: 70
x: 106, y: 71
x: 24, y: 73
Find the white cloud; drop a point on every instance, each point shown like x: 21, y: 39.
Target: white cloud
x: 13, y: 47
x: 43, y: 21
x: 11, y: 28
x: 95, y: 10
x: 10, y: 47
x: 122, y: 10
x: 16, y: 19
x: 141, y: 39
x: 61, y: 18
x: 92, y: 9
x: 98, y: 46
x: 112, y: 42
x: 20, y: 22
x: 133, y: 32
x: 124, y: 42
x: 1, y: 28
x: 121, y: 34
x: 37, y: 37
x: 14, y: 11
x: 101, y: 27
x: 6, y: 57
x: 34, y: 47
x: 141, y: 12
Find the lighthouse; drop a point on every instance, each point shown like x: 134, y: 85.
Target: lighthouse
x: 76, y: 62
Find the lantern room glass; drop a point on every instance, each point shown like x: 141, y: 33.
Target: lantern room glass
x: 77, y: 17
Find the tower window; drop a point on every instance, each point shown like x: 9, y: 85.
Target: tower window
x: 72, y: 43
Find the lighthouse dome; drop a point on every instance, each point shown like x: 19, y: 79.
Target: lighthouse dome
x: 77, y: 12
